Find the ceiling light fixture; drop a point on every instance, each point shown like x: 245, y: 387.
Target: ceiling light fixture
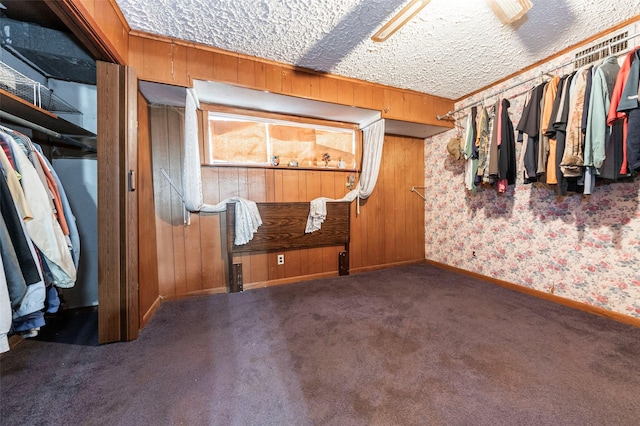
x: 401, y: 18
x: 509, y: 11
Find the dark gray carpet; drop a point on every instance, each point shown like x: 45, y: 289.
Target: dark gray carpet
x: 414, y: 345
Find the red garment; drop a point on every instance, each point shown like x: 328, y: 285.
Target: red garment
x: 503, y: 184
x: 7, y: 151
x: 616, y: 94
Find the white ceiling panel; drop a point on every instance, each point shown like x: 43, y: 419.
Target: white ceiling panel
x: 450, y: 49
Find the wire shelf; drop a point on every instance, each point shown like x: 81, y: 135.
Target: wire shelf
x: 31, y: 91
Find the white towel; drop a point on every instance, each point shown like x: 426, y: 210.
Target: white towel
x: 247, y: 220
x: 317, y: 214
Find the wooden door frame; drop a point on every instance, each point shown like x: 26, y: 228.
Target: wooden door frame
x: 117, y: 88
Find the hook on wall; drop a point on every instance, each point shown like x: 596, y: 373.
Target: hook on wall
x: 351, y: 182
x: 415, y: 188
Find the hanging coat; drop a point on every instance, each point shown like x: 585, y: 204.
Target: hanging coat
x: 507, y: 151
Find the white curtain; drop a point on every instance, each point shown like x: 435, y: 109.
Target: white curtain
x: 191, y: 175
x: 372, y: 143
x: 247, y: 216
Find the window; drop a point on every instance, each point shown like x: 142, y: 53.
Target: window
x: 255, y: 140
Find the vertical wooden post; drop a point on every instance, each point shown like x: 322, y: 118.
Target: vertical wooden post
x: 117, y: 203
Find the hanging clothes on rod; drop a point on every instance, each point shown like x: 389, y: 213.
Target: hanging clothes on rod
x: 489, y: 148
x: 539, y: 76
x: 40, y: 242
x: 575, y: 130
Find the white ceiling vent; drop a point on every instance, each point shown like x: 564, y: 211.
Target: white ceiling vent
x: 611, y: 46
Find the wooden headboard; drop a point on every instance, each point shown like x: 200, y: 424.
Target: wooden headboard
x: 282, y: 228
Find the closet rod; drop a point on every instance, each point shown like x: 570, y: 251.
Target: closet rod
x: 499, y: 92
x: 41, y: 129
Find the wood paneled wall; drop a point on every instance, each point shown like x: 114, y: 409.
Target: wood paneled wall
x: 165, y: 60
x: 388, y: 231
x: 177, y: 62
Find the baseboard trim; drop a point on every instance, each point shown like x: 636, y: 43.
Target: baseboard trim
x: 15, y: 340
x: 205, y: 292
x: 385, y: 266
x: 292, y: 280
x: 626, y: 319
x: 152, y: 310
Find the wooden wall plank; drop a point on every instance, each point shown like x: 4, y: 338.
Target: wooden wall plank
x: 179, y: 65
x: 363, y: 95
x: 387, y: 195
x: 401, y: 213
x: 158, y: 58
x: 228, y: 180
x: 418, y: 203
x: 270, y: 190
x: 199, y: 63
x: 273, y: 78
x: 148, y: 256
x: 329, y: 90
x: 300, y: 84
x: 394, y: 104
x: 277, y: 271
x: 259, y: 267
x: 314, y: 86
x: 225, y: 68
x: 287, y: 81
x: 412, y: 106
x: 192, y: 247
x: 313, y: 180
x: 379, y: 101
x: 291, y: 193
x: 246, y: 72
x: 290, y: 190
x: 303, y: 196
x: 210, y: 234
x: 278, y: 185
x: 162, y: 199
x: 136, y: 52
x: 355, y: 244
x: 260, y: 75
x: 175, y: 134
x: 328, y: 188
x: 345, y: 92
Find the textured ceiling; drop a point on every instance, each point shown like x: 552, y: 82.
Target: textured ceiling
x: 450, y: 49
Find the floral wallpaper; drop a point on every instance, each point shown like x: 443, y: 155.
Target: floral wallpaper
x: 579, y: 248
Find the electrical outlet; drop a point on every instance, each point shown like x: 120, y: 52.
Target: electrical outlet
x: 281, y: 259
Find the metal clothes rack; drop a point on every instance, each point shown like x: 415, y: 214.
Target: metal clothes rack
x: 548, y: 72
